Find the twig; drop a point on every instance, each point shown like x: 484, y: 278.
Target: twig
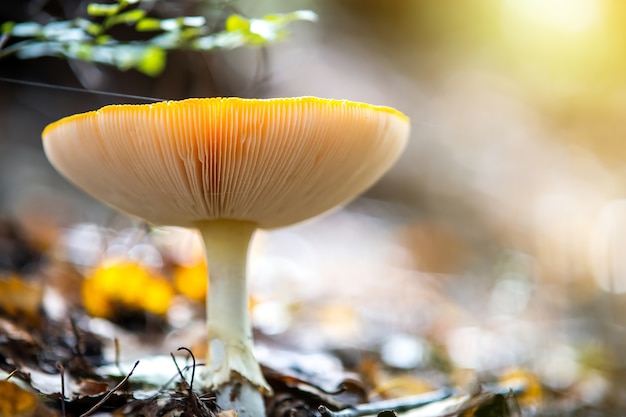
x: 74, y: 89
x: 116, y: 342
x: 10, y: 375
x: 400, y: 404
x: 180, y: 373
x: 3, y: 40
x: 504, y: 391
x: 193, y: 398
x: 62, y: 371
x: 14, y: 48
x: 513, y: 404
x: 109, y: 394
x: 193, y: 369
x: 77, y: 337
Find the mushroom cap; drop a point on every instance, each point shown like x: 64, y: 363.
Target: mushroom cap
x: 273, y: 162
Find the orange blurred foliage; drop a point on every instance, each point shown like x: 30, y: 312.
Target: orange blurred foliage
x: 125, y: 283
x: 16, y: 401
x: 192, y: 280
x: 19, y: 297
x: 527, y: 381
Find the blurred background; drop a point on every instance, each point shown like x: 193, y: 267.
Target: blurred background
x: 497, y: 240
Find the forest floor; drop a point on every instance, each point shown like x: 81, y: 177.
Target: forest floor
x: 125, y: 338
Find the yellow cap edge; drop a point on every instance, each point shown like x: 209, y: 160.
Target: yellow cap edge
x: 305, y: 100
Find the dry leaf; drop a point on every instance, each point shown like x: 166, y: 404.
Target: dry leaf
x: 21, y: 299
x: 16, y: 401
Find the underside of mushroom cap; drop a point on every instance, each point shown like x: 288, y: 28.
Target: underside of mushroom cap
x: 273, y: 162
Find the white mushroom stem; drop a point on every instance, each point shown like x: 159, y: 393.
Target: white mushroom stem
x: 231, y: 365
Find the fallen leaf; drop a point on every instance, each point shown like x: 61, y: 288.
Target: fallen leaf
x: 15, y: 401
x: 21, y: 299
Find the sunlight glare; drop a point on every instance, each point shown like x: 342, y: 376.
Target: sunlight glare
x: 607, y: 248
x: 569, y: 16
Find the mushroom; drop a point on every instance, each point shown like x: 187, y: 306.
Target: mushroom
x: 228, y: 166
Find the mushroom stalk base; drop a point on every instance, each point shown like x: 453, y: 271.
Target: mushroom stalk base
x: 231, y: 368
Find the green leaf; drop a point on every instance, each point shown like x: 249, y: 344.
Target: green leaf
x: 190, y: 33
x: 222, y: 40
x: 263, y: 31
x: 7, y: 27
x: 26, y: 30
x: 54, y: 30
x: 83, y: 51
x: 129, y: 17
x: 148, y: 24
x: 236, y: 22
x: 98, y: 9
x: 84, y: 39
x: 269, y: 28
x: 88, y: 26
x: 103, y: 39
x: 194, y: 21
x: 71, y: 35
x: 153, y: 61
x: 167, y: 40
x: 205, y: 43
x: 126, y: 3
x: 39, y: 49
x: 305, y: 15
x: 124, y: 56
x: 104, y: 54
x: 171, y: 24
